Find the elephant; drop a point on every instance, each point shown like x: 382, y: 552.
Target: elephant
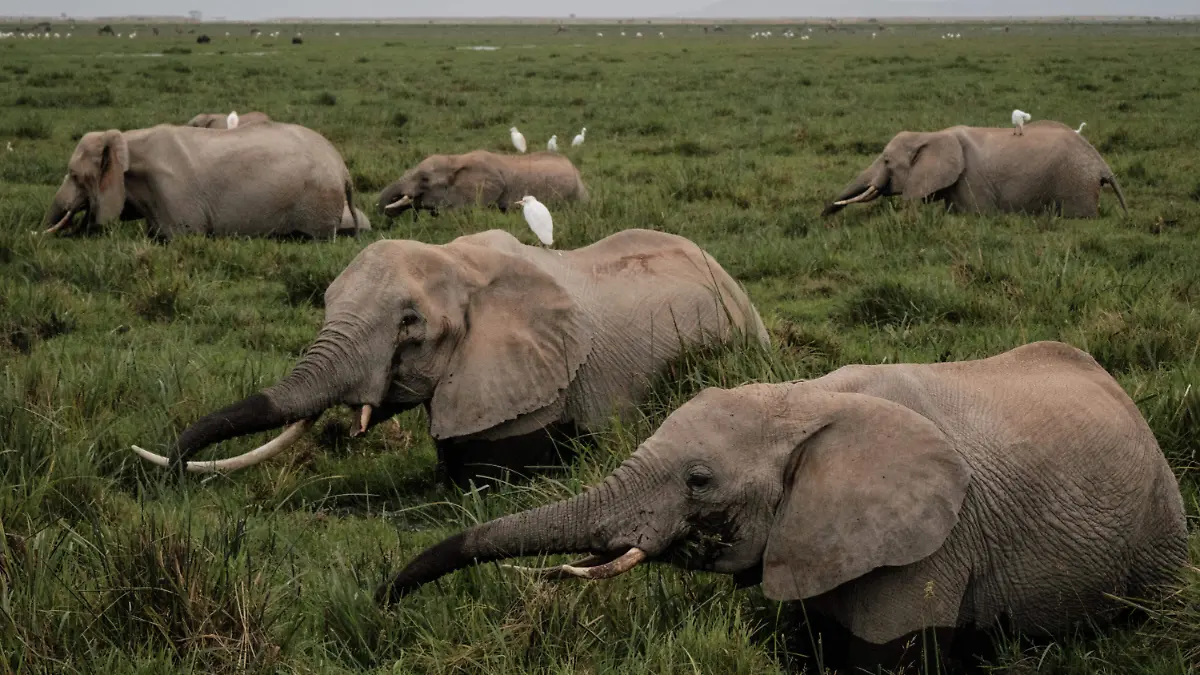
x: 266, y: 179
x: 889, y: 498
x: 221, y: 121
x: 483, y: 178
x: 510, y: 348
x: 989, y: 170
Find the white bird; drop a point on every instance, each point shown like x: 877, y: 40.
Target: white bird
x: 118, y: 35
x: 578, y: 140
x: 552, y: 144
x: 538, y: 217
x: 68, y: 35
x: 1081, y: 126
x: 599, y: 34
x: 231, y: 122
x: 660, y: 34
x: 872, y: 36
x: 622, y: 33
x: 639, y: 34
x: 337, y: 35
x: 10, y: 147
x: 1019, y: 119
x: 132, y: 35
x: 518, y: 140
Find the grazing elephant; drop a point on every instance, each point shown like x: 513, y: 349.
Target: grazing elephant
x: 507, y: 346
x: 483, y: 178
x: 985, y: 170
x: 890, y: 498
x: 266, y: 179
x: 220, y: 121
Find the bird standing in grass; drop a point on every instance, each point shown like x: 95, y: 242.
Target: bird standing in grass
x: 1019, y: 119
x: 518, y: 140
x: 578, y: 140
x: 552, y: 144
x: 231, y: 122
x: 1081, y: 126
x: 538, y: 217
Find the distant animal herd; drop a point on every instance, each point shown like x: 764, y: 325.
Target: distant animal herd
x: 1023, y: 489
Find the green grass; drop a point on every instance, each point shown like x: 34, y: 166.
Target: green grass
x: 107, y: 565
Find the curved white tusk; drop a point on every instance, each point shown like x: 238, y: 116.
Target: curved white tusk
x: 404, y: 200
x: 556, y: 571
x: 866, y: 195
x: 262, y: 452
x: 363, y: 420
x: 60, y: 224
x: 609, y: 570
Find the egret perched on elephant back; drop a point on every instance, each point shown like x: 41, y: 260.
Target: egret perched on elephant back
x: 1023, y: 488
x: 538, y: 217
x: 1019, y: 119
x: 987, y: 170
x: 221, y: 121
x: 511, y: 349
x: 518, y: 139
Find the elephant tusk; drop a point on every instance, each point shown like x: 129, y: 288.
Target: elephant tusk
x: 556, y: 571
x: 60, y: 224
x: 363, y: 420
x: 265, y: 451
x: 865, y: 196
x: 609, y: 570
x: 404, y: 200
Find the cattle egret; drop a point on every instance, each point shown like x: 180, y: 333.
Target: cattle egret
x: 538, y: 217
x: 518, y: 140
x: 599, y: 34
x: 337, y: 35
x: 660, y: 34
x: 231, y: 122
x: 578, y: 140
x: 639, y: 34
x: 552, y: 144
x: 1081, y: 126
x: 10, y: 147
x: 622, y: 33
x: 872, y: 36
x: 1019, y: 119
x: 226, y: 33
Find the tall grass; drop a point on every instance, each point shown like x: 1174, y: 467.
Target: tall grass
x: 107, y: 340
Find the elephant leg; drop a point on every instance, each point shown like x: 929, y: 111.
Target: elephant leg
x: 485, y: 462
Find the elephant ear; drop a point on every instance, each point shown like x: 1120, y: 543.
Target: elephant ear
x: 876, y: 485
x: 937, y: 164
x: 110, y: 188
x: 526, y: 337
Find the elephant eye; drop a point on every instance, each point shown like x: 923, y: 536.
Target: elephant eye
x: 410, y: 317
x: 699, y: 478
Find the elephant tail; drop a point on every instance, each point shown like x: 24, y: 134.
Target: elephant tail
x: 354, y: 213
x: 1112, y: 180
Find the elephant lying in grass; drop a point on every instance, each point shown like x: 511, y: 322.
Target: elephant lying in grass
x: 506, y: 345
x: 264, y: 179
x: 891, y: 498
x: 985, y: 170
x: 221, y: 121
x: 483, y: 178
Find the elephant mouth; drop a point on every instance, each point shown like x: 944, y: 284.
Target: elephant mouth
x: 400, y: 205
x: 67, y: 221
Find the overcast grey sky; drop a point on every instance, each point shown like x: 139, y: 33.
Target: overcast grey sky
x: 262, y: 9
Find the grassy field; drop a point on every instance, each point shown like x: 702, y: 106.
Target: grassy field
x: 108, y: 566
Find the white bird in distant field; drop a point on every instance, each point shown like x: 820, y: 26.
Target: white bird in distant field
x: 872, y: 36
x: 599, y: 34
x: 1019, y: 119
x: 10, y: 147
x: 538, y: 217
x: 552, y: 144
x: 231, y: 122
x: 132, y: 35
x: 578, y: 140
x: 661, y: 35
x: 622, y: 33
x: 638, y: 34
x: 1081, y: 126
x: 518, y: 140
x: 337, y: 35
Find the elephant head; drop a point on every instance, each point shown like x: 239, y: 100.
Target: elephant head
x: 441, y: 181
x: 914, y: 165
x: 784, y: 484
x: 95, y: 181
x: 474, y: 332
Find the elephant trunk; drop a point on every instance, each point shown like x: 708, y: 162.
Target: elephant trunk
x: 67, y: 202
x: 568, y: 526
x: 327, y: 371
x: 397, y: 198
x: 865, y: 188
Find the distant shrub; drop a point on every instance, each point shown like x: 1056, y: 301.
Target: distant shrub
x: 177, y: 50
x: 399, y: 119
x: 325, y: 98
